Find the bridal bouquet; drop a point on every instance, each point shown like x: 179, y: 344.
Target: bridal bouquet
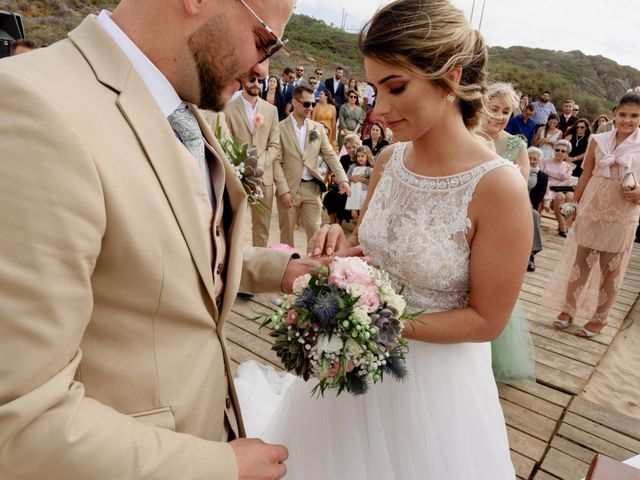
x: 342, y: 326
x: 245, y: 166
x: 568, y: 209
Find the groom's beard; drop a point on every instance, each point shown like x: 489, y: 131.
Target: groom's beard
x: 216, y: 68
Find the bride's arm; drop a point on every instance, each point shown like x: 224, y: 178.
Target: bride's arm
x: 500, y: 240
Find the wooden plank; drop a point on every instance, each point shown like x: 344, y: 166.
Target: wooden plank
x: 630, y: 446
x: 576, y: 451
x: 525, y: 444
x: 252, y: 327
x: 530, y: 402
x: 563, y: 364
x: 615, y: 421
x: 522, y: 465
x: 564, y: 466
x: 541, y: 475
x: 574, y: 353
x: 557, y: 379
x: 239, y: 354
x: 248, y: 341
x: 541, y: 325
x: 527, y: 421
x: 594, y: 442
x: 546, y: 393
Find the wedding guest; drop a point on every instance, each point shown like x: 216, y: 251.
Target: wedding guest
x: 547, y: 136
x: 524, y: 101
x: 337, y: 88
x: 567, y: 118
x: 325, y: 113
x: 334, y: 200
x: 371, y: 117
x: 23, y: 45
x: 376, y: 140
x: 359, y: 175
x: 369, y: 96
x: 286, y: 87
x: 350, y: 117
x: 127, y: 247
x: 299, y: 79
x: 598, y: 122
x: 321, y: 86
x: 296, y: 172
x: 512, y: 351
x: 254, y: 122
x: 439, y: 207
x: 274, y: 96
x: 523, y: 124
x: 561, y: 181
x: 578, y: 135
x: 588, y: 276
x: 544, y: 107
x: 537, y: 186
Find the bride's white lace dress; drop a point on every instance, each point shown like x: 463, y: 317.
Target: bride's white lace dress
x: 444, y: 422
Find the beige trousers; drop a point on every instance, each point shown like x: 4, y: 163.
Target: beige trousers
x: 310, y: 203
x: 261, y: 218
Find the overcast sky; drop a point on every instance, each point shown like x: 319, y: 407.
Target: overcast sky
x: 596, y: 27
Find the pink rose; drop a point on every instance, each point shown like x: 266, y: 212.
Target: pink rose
x: 291, y: 317
x: 347, y: 270
x: 335, y: 368
x: 259, y: 120
x: 370, y: 299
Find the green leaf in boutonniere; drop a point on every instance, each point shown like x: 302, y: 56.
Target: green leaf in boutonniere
x: 313, y: 135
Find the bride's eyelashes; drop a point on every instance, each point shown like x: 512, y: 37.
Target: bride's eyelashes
x: 397, y: 89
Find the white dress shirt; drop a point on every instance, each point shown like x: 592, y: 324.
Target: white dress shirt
x: 251, y: 112
x: 301, y: 135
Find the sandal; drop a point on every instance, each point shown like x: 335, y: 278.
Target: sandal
x: 586, y: 333
x: 562, y: 324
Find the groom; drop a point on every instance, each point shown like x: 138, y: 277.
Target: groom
x: 122, y: 250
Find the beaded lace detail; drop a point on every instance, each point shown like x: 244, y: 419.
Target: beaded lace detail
x: 415, y: 228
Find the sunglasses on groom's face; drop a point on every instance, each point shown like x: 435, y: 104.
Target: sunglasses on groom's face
x: 306, y: 104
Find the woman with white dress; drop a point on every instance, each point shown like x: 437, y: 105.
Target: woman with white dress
x: 547, y: 136
x: 439, y: 206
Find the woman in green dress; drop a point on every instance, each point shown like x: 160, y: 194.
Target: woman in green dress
x: 351, y: 117
x: 512, y: 352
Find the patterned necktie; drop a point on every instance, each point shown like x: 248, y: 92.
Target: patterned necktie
x: 186, y: 128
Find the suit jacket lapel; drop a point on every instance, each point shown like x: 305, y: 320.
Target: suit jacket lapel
x: 152, y: 129
x: 292, y: 134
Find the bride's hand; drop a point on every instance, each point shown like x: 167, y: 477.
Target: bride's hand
x: 331, y: 240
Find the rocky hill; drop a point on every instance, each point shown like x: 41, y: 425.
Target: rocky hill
x: 595, y: 82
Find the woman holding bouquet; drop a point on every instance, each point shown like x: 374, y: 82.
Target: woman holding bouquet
x: 439, y: 206
x: 591, y: 268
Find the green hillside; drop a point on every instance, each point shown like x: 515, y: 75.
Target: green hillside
x: 595, y: 82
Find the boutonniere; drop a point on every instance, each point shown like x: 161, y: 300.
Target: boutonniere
x: 258, y: 120
x: 313, y: 135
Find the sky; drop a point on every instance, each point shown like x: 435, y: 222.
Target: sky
x: 595, y: 27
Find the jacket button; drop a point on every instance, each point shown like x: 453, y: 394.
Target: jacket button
x: 219, y: 269
x: 228, y: 402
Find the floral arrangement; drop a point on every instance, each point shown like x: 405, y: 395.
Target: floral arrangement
x: 245, y: 166
x: 313, y: 135
x: 568, y: 209
x: 341, y: 326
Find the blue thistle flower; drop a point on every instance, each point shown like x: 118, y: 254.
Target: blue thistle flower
x: 326, y: 308
x: 306, y: 299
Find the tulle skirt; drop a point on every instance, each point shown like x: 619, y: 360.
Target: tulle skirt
x: 512, y: 354
x: 444, y: 422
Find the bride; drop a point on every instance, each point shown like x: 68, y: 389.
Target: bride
x: 439, y: 208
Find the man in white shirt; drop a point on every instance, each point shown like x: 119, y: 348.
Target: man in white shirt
x: 369, y: 95
x: 254, y: 121
x: 127, y: 247
x: 297, y: 176
x: 299, y: 80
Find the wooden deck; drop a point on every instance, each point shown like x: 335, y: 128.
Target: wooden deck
x: 553, y: 432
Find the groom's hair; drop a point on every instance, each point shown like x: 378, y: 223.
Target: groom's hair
x: 300, y: 89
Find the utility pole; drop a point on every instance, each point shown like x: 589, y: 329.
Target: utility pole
x: 484, y: 2
x: 473, y: 7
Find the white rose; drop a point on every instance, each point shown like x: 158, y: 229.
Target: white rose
x: 300, y: 283
x: 328, y: 344
x: 361, y: 315
x: 356, y: 289
x: 396, y: 302
x: 352, y: 348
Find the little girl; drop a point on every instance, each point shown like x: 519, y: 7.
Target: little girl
x: 358, y: 175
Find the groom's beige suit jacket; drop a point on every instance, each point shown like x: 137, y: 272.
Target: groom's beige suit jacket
x: 113, y: 295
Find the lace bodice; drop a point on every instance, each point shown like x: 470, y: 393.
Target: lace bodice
x: 415, y: 228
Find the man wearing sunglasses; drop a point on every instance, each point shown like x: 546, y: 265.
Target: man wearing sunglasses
x: 125, y: 246
x: 299, y: 183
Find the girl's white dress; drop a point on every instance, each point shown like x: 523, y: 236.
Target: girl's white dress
x: 358, y: 189
x: 445, y: 421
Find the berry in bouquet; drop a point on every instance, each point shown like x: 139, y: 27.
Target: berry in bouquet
x: 342, y: 326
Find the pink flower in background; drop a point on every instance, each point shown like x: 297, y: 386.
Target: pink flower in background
x: 346, y: 270
x: 283, y: 247
x: 291, y: 316
x: 259, y: 120
x: 370, y: 299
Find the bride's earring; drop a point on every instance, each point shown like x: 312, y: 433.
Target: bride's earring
x: 451, y: 97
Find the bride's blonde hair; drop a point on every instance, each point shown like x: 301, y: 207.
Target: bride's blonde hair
x: 431, y: 38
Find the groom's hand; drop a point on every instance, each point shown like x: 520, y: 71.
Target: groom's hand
x: 258, y: 460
